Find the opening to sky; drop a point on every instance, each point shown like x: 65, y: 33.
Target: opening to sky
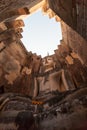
x: 41, y: 35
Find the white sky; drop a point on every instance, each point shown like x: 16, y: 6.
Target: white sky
x: 41, y: 35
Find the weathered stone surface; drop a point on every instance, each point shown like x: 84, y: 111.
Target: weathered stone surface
x: 12, y: 6
x: 57, y: 87
x: 14, y: 24
x: 18, y: 112
x: 73, y: 13
x: 74, y: 41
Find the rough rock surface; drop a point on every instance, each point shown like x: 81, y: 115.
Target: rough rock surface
x: 44, y: 93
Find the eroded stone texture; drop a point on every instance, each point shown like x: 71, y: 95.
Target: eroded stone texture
x: 71, y: 38
x: 73, y: 13
x: 18, y: 112
x: 55, y: 85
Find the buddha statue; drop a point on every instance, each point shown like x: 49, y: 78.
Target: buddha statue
x: 50, y: 80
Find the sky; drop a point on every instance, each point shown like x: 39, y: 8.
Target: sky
x: 41, y: 35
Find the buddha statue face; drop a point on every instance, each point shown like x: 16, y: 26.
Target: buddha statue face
x: 48, y: 63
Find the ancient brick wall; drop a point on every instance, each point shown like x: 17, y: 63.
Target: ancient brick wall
x: 73, y: 13
x: 75, y: 42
